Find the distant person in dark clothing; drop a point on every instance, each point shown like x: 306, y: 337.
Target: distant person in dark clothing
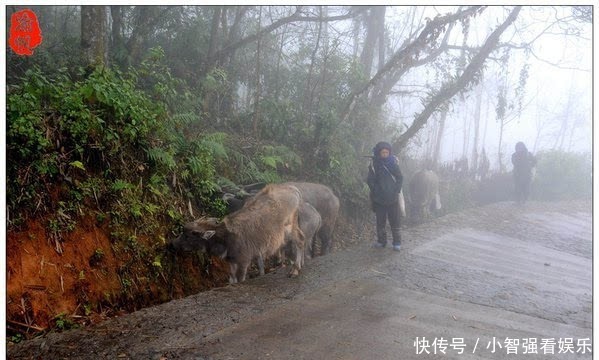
x: 384, y: 181
x: 524, y: 162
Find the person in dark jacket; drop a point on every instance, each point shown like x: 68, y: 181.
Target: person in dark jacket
x: 524, y: 162
x: 384, y: 181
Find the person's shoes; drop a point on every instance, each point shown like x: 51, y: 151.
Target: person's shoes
x: 396, y: 247
x: 378, y: 245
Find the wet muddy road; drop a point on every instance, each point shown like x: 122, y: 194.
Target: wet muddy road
x: 496, y: 282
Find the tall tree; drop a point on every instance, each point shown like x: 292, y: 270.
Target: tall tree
x: 477, y: 115
x: 94, y: 35
x: 439, y: 139
x: 118, y: 50
x: 472, y: 73
x: 256, y: 117
x: 309, y: 90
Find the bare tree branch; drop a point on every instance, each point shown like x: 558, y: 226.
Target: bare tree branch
x: 583, y: 13
x: 556, y: 64
x: 405, y: 56
x: 527, y: 47
x: 295, y: 17
x: 470, y: 74
x: 381, y: 92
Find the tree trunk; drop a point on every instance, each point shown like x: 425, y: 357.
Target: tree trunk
x: 367, y: 56
x: 308, y: 93
x: 487, y: 108
x: 118, y: 45
x: 477, y: 112
x: 94, y: 35
x: 356, y: 37
x: 381, y: 34
x: 146, y: 19
x: 466, y: 129
x: 230, y: 96
x: 439, y: 139
x: 216, y: 18
x: 499, y: 154
x: 277, y: 87
x: 134, y: 44
x: 258, y: 83
x: 325, y: 58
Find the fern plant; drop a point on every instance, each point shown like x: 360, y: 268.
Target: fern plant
x: 161, y: 157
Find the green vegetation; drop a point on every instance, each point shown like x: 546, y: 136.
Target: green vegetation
x: 63, y: 322
x: 134, y: 152
x: 562, y: 175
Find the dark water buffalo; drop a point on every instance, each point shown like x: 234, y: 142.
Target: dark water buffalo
x: 310, y: 222
x: 236, y: 197
x: 323, y: 199
x: 424, y: 193
x: 259, y: 229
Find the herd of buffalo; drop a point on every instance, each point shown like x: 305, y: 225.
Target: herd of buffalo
x: 276, y: 219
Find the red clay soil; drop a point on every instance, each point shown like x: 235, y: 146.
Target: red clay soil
x: 41, y: 283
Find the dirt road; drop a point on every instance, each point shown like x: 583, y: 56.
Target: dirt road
x: 495, y: 282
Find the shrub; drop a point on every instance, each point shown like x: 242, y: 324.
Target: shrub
x: 562, y: 175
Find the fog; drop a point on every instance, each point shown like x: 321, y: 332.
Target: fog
x: 555, y: 99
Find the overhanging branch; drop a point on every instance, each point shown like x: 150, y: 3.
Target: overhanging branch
x: 405, y: 56
x: 295, y: 17
x: 451, y: 89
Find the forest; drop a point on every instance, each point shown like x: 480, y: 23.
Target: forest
x: 128, y: 121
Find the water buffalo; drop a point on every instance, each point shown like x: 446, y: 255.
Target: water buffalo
x: 236, y: 197
x: 424, y: 193
x: 258, y: 230
x: 323, y: 199
x: 309, y: 222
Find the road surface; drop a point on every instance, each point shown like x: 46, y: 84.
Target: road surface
x: 495, y: 282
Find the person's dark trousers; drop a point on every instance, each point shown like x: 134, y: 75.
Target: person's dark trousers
x: 522, y: 186
x: 384, y: 213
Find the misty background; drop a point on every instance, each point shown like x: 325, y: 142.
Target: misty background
x: 306, y: 91
x: 129, y: 121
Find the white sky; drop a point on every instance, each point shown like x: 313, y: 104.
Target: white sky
x: 547, y: 91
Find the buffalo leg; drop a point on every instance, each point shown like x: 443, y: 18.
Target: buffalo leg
x: 324, y: 234
x: 297, y: 242
x: 261, y: 264
x: 242, y: 271
x: 233, y: 273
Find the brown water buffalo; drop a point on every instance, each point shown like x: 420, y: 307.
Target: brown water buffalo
x: 309, y: 222
x: 258, y: 230
x: 424, y: 193
x: 323, y: 199
x: 319, y: 196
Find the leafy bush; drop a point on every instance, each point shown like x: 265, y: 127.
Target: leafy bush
x: 113, y: 146
x: 562, y: 175
x: 456, y: 195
